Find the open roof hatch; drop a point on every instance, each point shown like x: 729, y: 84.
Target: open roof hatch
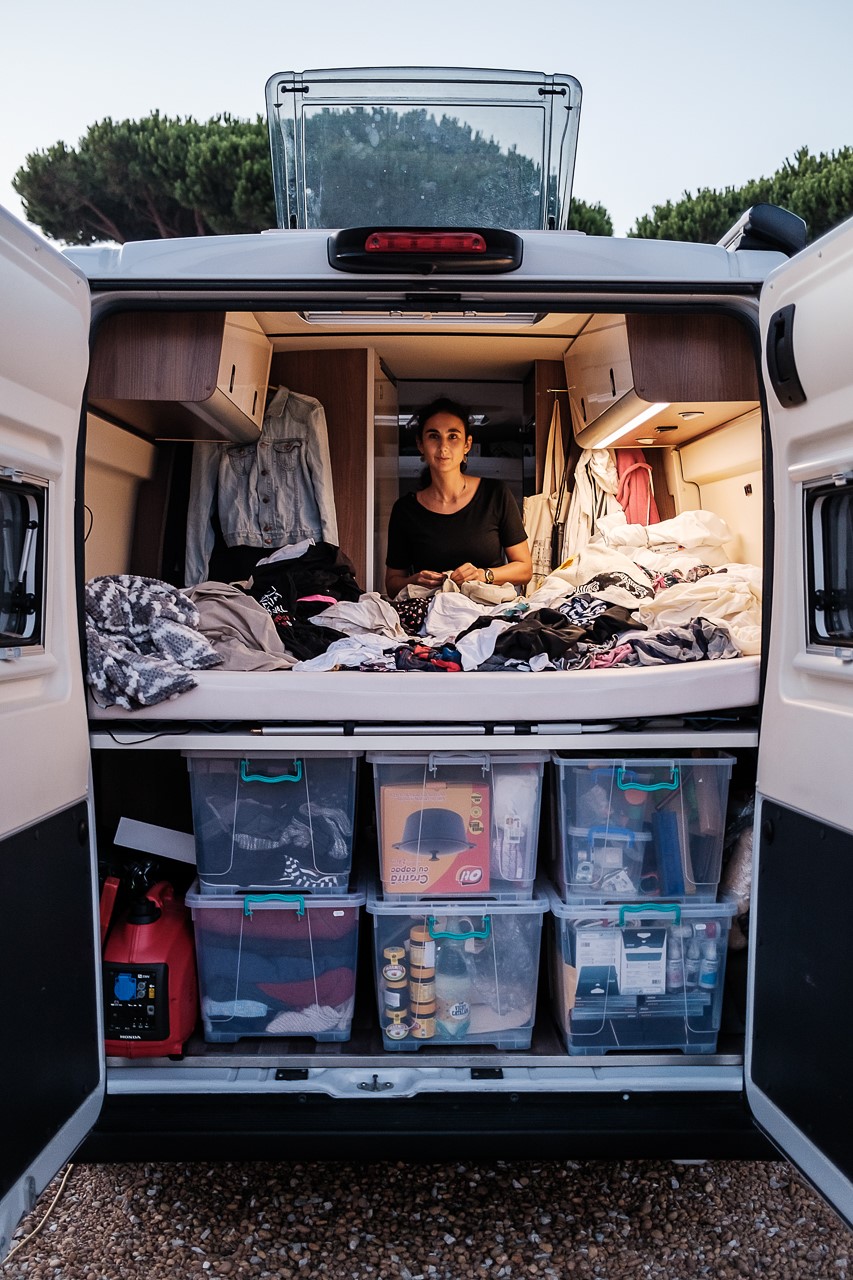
x: 423, y: 146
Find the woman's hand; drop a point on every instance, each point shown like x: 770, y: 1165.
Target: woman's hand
x: 427, y: 578
x: 467, y: 573
x: 397, y: 579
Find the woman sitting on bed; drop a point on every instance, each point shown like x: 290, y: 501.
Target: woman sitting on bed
x: 466, y: 527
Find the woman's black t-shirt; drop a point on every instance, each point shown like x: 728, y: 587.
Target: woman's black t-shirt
x: 477, y: 534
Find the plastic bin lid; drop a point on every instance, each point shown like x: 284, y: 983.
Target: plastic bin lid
x: 641, y: 762
x: 377, y: 904
x: 273, y: 901
x: 453, y: 758
x: 266, y: 754
x: 725, y: 908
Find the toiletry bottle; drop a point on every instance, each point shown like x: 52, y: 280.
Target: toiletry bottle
x: 709, y: 965
x: 674, y: 965
x: 692, y: 960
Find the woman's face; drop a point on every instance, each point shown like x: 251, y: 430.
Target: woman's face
x: 444, y: 442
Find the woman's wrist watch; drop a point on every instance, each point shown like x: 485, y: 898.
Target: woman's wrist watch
x: 488, y: 576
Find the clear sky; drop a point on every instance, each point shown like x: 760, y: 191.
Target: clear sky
x: 677, y: 94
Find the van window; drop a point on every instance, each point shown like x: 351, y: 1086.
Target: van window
x: 22, y: 529
x: 829, y: 532
x: 422, y: 148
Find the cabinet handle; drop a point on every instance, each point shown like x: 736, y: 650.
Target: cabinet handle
x: 233, y: 376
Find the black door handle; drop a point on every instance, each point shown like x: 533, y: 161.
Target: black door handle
x: 781, y: 363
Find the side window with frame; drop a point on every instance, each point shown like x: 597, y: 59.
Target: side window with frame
x: 829, y: 554
x: 23, y: 513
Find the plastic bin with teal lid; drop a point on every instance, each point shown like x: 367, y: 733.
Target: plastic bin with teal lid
x: 269, y: 822
x: 456, y: 973
x: 639, y: 828
x: 638, y: 976
x: 276, y: 964
x: 458, y: 824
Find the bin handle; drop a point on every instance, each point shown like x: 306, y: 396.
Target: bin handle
x: 625, y: 782
x: 245, y: 776
x: 460, y: 937
x: 642, y: 908
x: 296, y: 898
x: 437, y: 758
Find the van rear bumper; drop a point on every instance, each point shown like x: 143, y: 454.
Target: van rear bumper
x: 428, y: 1128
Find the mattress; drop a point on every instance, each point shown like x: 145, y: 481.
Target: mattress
x: 417, y: 697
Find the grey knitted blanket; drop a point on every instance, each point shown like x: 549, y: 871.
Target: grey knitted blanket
x: 143, y: 639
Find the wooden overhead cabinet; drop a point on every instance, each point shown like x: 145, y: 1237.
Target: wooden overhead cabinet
x: 185, y: 376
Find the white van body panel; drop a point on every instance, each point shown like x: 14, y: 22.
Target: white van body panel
x: 277, y: 257
x: 807, y: 723
x: 45, y: 356
x: 44, y: 748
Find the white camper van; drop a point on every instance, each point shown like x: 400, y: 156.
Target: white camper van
x: 728, y: 365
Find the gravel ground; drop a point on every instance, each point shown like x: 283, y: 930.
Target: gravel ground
x: 551, y: 1220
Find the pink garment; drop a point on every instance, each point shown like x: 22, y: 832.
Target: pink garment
x: 325, y: 599
x: 635, y: 494
x: 612, y: 658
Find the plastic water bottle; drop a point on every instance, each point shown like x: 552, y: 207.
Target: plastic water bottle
x: 452, y: 988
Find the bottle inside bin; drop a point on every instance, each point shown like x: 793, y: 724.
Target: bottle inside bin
x: 452, y: 989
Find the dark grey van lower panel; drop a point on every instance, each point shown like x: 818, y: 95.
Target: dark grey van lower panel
x: 426, y: 1129
x: 50, y: 1062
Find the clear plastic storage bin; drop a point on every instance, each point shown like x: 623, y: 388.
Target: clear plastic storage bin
x: 635, y: 829
x: 269, y: 822
x: 458, y: 825
x: 639, y: 976
x: 276, y: 964
x: 453, y: 973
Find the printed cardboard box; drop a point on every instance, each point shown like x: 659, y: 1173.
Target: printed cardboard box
x: 435, y: 837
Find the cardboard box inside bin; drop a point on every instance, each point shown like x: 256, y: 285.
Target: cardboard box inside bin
x: 435, y: 837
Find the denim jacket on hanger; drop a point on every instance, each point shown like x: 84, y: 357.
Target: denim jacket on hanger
x: 269, y: 494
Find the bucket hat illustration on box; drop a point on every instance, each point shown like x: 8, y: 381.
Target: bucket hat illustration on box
x: 437, y: 832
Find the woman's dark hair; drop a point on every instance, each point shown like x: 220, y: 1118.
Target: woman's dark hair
x: 443, y: 404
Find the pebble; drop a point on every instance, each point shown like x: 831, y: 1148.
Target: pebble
x: 506, y: 1221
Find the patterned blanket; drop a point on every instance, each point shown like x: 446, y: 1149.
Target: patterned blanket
x: 143, y: 639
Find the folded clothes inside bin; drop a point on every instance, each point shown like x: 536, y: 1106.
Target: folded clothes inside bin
x: 276, y: 964
x: 273, y: 822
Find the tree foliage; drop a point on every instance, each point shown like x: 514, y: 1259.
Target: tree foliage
x: 591, y: 218
x: 151, y: 178
x: 160, y: 177
x: 817, y: 188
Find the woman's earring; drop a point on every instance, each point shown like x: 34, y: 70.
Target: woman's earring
x: 463, y: 465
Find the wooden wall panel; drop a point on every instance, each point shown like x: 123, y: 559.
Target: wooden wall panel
x: 339, y: 380
x: 550, y: 379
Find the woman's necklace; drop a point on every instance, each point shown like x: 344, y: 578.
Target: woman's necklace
x: 458, y: 498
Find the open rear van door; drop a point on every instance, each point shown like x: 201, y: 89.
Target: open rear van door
x: 53, y: 1067
x: 801, y: 1019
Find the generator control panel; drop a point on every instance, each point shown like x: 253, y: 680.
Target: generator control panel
x: 136, y: 1001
